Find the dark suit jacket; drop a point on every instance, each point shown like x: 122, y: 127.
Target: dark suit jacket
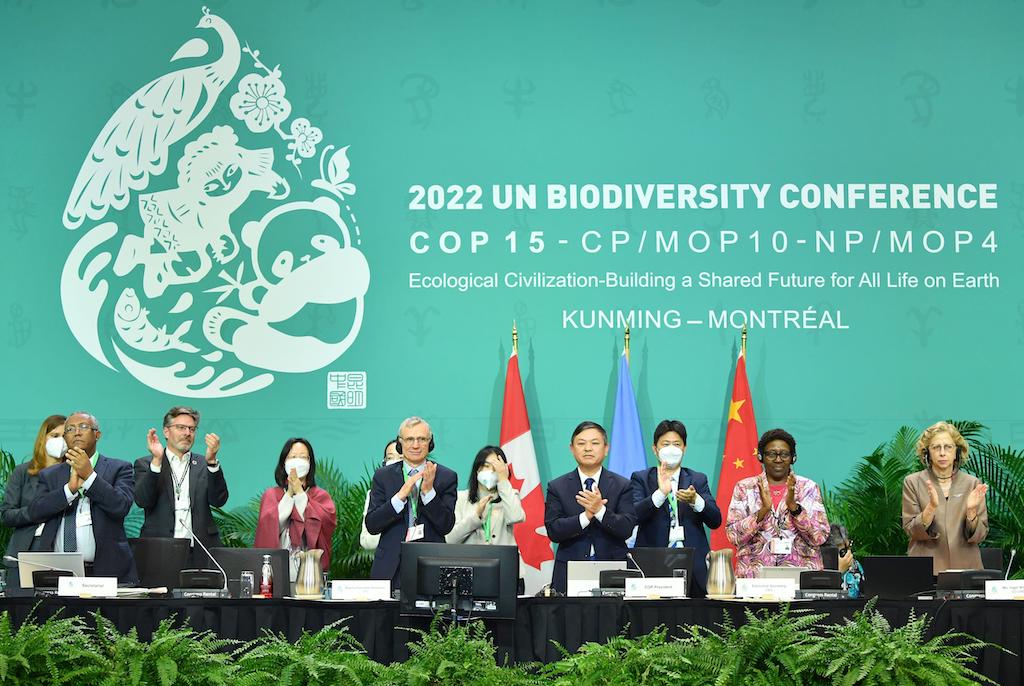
x: 655, y: 522
x: 154, y: 493
x: 607, y: 536
x: 110, y: 498
x: 21, y: 490
x: 437, y: 518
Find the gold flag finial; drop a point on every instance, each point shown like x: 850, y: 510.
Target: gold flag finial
x: 515, y: 338
x: 626, y: 345
x: 743, y: 341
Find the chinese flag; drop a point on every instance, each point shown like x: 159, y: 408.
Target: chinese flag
x: 535, y: 556
x: 740, y: 458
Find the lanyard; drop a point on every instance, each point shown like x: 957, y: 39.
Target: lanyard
x: 178, y: 483
x: 487, y: 523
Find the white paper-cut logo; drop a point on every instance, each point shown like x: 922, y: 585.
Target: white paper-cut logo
x: 208, y: 277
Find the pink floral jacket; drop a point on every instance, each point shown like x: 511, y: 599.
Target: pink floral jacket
x: 752, y: 539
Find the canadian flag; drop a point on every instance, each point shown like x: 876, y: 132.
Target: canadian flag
x: 535, y: 557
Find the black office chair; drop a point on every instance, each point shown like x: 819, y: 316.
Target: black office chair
x: 237, y: 560
x: 159, y: 560
x: 992, y: 558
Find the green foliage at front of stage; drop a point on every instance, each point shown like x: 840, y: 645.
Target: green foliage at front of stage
x: 348, y: 559
x: 771, y: 648
x: 870, y: 501
x: 867, y: 651
x: 6, y: 469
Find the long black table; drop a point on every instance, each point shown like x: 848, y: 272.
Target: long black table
x: 539, y: 623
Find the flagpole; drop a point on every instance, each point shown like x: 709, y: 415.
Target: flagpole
x: 515, y: 339
x: 626, y: 346
x: 743, y: 342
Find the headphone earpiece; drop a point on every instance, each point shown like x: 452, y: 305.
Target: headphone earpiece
x: 958, y: 459
x: 398, y: 444
x: 927, y: 457
x: 792, y: 460
x: 760, y: 457
x: 430, y: 446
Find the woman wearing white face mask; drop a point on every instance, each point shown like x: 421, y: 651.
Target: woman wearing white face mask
x: 673, y: 503
x: 488, y: 509
x: 297, y: 514
x: 21, y: 488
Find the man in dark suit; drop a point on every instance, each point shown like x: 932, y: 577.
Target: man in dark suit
x: 673, y: 503
x: 589, y: 511
x: 412, y: 500
x: 175, y: 483
x: 83, y: 502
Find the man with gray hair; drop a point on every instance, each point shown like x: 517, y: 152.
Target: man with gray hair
x: 83, y: 501
x: 410, y: 500
x: 176, y: 484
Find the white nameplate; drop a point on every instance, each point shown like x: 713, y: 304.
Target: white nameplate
x: 360, y: 589
x: 97, y: 586
x: 1004, y: 590
x: 783, y: 589
x: 656, y: 587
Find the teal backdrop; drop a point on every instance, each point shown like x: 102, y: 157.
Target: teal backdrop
x: 486, y: 92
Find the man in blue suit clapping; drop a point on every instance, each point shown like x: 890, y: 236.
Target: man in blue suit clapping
x: 589, y: 511
x: 673, y: 504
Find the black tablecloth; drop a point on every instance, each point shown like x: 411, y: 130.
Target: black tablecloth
x: 539, y: 622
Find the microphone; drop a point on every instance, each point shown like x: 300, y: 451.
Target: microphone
x: 629, y: 556
x: 206, y: 550
x: 11, y: 558
x: 1013, y: 553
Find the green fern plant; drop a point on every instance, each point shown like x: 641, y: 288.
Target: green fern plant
x: 867, y: 651
x: 870, y: 501
x: 328, y: 656
x: 1002, y: 468
x: 458, y: 655
x: 56, y: 652
x: 173, y: 656
x: 766, y: 651
x: 649, y: 660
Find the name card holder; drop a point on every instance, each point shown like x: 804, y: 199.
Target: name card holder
x: 87, y: 586
x: 656, y: 587
x: 782, y: 589
x: 1004, y: 590
x: 360, y: 589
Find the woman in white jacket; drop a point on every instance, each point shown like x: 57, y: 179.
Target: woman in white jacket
x: 486, y: 512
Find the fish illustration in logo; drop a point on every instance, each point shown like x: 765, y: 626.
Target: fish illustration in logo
x: 131, y: 320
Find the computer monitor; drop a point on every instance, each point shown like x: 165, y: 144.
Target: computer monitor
x: 236, y: 560
x: 896, y: 577
x: 583, y: 577
x: 666, y: 562
x: 482, y: 578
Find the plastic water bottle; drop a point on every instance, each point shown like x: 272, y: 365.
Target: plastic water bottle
x: 267, y: 578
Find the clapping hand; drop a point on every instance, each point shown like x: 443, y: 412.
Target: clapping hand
x: 429, y: 472
x: 591, y: 501
x: 294, y: 483
x: 766, y: 499
x: 481, y: 505
x: 687, y: 495
x: 664, y: 479
x: 212, y: 447
x: 155, y: 447
x: 791, y: 492
x: 974, y: 500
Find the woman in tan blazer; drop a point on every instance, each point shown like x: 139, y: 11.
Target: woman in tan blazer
x: 944, y: 511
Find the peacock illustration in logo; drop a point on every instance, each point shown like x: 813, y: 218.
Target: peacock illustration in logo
x: 206, y: 280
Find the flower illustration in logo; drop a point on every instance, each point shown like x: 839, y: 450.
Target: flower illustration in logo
x: 305, y: 137
x: 260, y: 102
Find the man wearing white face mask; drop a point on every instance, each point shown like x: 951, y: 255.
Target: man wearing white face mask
x: 673, y: 504
x: 487, y: 511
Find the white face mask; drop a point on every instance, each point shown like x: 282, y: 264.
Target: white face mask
x: 300, y: 466
x: 671, y: 455
x: 56, y: 447
x: 488, y: 479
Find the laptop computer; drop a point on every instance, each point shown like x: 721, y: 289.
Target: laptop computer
x: 33, y: 562
x: 896, y: 577
x: 663, y: 562
x: 582, y: 576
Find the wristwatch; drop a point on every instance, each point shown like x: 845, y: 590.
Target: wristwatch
x: 798, y: 511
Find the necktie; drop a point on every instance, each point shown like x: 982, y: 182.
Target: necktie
x: 71, y: 528
x: 588, y: 484
x: 414, y: 498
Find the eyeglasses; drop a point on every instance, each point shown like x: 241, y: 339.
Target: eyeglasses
x: 78, y: 428
x: 414, y: 440
x: 778, y: 454
x: 183, y: 427
x: 947, y: 448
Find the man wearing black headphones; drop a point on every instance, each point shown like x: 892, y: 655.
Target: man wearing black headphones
x: 410, y: 500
